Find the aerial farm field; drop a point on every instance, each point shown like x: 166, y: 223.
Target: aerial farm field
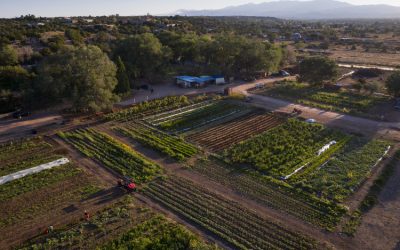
x: 331, y: 100
x: 210, y: 173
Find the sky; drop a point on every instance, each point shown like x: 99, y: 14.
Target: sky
x: 51, y: 8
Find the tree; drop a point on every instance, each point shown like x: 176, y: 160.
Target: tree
x: 123, y: 85
x: 144, y: 56
x: 75, y: 36
x: 315, y: 70
x: 85, y: 76
x: 8, y: 56
x: 393, y: 84
x: 13, y: 77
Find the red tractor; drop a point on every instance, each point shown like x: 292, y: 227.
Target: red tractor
x: 127, y: 183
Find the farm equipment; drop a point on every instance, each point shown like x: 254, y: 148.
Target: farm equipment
x: 127, y: 183
x: 296, y: 112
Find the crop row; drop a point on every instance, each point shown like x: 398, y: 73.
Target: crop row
x: 235, y: 224
x: 343, y: 174
x: 112, y: 153
x: 272, y: 193
x: 158, y: 118
x: 163, y: 233
x: 200, y: 116
x: 170, y: 145
x: 282, y: 150
x: 18, y: 155
x: 150, y: 107
x: 223, y: 136
x: 342, y: 101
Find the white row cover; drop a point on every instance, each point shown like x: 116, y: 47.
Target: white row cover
x: 34, y: 170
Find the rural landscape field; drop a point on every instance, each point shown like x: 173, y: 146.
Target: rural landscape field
x: 269, y: 125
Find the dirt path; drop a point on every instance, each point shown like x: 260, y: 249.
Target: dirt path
x: 384, y: 130
x: 380, y: 228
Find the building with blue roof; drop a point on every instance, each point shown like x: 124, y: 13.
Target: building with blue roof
x: 198, y: 82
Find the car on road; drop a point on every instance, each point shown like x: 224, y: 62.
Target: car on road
x: 281, y: 73
x: 311, y: 121
x: 19, y: 114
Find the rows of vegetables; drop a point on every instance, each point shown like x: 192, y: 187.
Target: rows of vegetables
x: 149, y: 107
x: 169, y: 145
x: 222, y: 136
x: 240, y: 227
x: 344, y: 173
x: 200, y: 116
x: 272, y: 193
x: 282, y: 150
x: 24, y: 154
x: 112, y: 153
x: 341, y: 101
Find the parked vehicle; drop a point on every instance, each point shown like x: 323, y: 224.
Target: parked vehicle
x: 127, y: 183
x: 19, y: 114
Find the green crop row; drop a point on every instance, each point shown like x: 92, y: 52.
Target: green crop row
x: 340, y: 101
x: 13, y: 149
x: 280, y: 151
x: 343, y: 174
x: 162, y: 142
x: 158, y: 233
x: 112, y: 153
x: 228, y: 220
x: 149, y: 107
x: 36, y: 181
x: 200, y: 116
x: 272, y: 193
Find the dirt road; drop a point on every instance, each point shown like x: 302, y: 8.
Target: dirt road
x: 13, y: 128
x: 384, y: 130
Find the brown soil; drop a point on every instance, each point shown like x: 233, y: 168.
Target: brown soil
x: 380, y: 227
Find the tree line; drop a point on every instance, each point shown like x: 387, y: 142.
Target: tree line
x: 92, y: 80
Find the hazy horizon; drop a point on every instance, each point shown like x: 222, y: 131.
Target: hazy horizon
x: 53, y: 8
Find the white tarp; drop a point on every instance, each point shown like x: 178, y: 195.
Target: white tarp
x: 34, y: 170
x: 326, y: 147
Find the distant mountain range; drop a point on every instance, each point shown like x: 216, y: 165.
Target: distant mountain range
x: 315, y: 9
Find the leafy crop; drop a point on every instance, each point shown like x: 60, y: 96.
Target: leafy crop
x: 343, y: 174
x: 272, y: 193
x: 170, y: 145
x: 112, y: 153
x: 240, y: 227
x: 150, y: 107
x: 280, y: 151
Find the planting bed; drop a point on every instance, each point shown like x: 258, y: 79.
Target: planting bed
x: 272, y: 193
x: 284, y: 149
x: 20, y: 155
x: 124, y: 225
x: 112, y: 153
x: 170, y: 145
x: 224, y: 135
x: 148, y: 108
x: 197, y: 117
x: 240, y: 227
x: 339, y: 101
x: 343, y: 174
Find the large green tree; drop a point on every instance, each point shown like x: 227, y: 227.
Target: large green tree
x: 13, y: 77
x: 144, y: 56
x: 316, y: 70
x: 123, y: 86
x: 8, y: 56
x: 393, y: 84
x: 84, y: 75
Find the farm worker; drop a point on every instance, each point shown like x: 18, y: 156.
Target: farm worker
x: 87, y: 215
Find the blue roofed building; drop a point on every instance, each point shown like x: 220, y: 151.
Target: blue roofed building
x: 198, y: 82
